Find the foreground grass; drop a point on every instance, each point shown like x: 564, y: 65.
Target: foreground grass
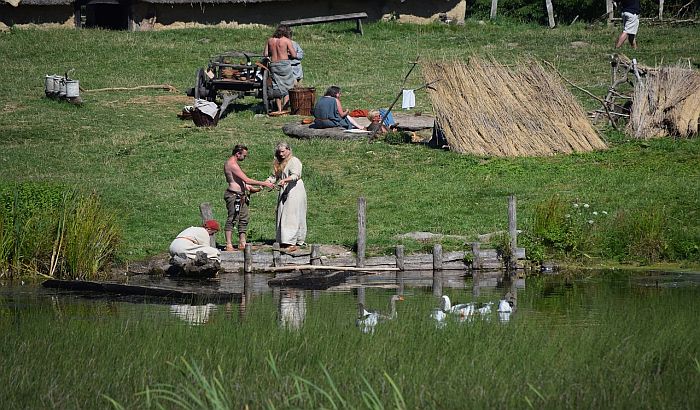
x: 156, y: 170
x: 570, y: 345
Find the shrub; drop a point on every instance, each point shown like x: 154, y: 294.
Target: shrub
x: 54, y: 230
x: 638, y: 236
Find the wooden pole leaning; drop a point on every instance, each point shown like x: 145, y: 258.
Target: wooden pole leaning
x: 207, y: 214
x: 361, y: 232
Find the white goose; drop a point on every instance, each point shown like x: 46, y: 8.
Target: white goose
x: 367, y: 320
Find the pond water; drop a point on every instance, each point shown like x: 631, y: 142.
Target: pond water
x: 565, y: 299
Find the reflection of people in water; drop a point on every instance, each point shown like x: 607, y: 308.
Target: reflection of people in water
x: 194, y: 315
x: 292, y: 309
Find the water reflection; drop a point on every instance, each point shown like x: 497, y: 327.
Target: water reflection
x: 292, y: 309
x: 193, y: 314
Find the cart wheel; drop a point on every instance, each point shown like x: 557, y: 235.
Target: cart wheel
x: 265, y: 90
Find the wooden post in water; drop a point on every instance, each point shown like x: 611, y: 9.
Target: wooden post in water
x: 315, y: 257
x: 512, y: 227
x: 437, y: 284
x: 399, y: 257
x: 494, y: 6
x: 476, y: 252
x: 361, y: 231
x: 437, y: 257
x: 550, y: 13
x: 276, y: 256
x: 206, y: 213
x: 609, y: 9
x: 248, y: 258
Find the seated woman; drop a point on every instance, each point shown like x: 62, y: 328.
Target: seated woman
x: 329, y: 113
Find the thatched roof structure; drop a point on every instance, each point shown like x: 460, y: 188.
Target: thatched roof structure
x: 489, y: 109
x: 208, y: 1
x: 37, y: 2
x: 666, y: 102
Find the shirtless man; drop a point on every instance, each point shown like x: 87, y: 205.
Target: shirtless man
x: 236, y: 196
x: 279, y: 48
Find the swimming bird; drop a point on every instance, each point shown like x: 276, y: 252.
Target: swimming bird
x: 367, y: 320
x: 504, y: 306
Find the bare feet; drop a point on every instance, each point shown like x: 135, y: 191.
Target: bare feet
x: 229, y: 247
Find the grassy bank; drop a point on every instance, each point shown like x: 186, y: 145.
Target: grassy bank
x: 570, y: 345
x: 155, y: 170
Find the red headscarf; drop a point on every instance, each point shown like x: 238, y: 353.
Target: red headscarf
x: 211, y: 224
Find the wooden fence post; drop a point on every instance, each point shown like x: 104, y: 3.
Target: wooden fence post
x: 550, y: 13
x: 609, y: 10
x: 512, y: 226
x: 476, y: 253
x: 399, y: 257
x: 437, y: 257
x: 661, y: 9
x: 315, y: 257
x: 494, y: 6
x: 276, y: 257
x: 206, y: 213
x: 361, y: 232
x: 248, y: 258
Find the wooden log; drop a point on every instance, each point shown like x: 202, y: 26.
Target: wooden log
x: 326, y: 267
x: 437, y: 257
x: 276, y: 256
x: 315, y: 281
x: 207, y: 214
x: 361, y: 231
x: 315, y: 257
x: 248, y: 258
x: 550, y: 13
x: 139, y: 290
x: 399, y: 257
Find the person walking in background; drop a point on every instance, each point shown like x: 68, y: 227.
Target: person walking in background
x: 279, y: 49
x: 196, y: 239
x: 237, y: 196
x: 290, y: 221
x: 630, y: 23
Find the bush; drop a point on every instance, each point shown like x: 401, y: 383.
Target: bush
x: 56, y: 231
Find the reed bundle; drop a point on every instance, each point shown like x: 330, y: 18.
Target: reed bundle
x: 666, y: 103
x: 488, y: 109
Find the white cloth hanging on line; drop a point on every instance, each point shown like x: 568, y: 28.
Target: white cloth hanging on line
x: 409, y: 99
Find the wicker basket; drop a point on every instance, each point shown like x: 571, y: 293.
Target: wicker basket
x: 302, y: 100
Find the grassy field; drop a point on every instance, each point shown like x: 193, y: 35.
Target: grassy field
x: 155, y: 170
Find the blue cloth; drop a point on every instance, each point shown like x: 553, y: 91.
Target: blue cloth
x: 389, y: 120
x: 327, y: 115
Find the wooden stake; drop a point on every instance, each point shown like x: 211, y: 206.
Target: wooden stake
x: 276, y: 256
x: 512, y: 226
x: 361, y: 232
x: 248, y: 258
x: 550, y: 13
x: 399, y: 257
x: 476, y: 252
x: 437, y: 257
x: 494, y: 6
x: 609, y: 9
x: 206, y: 213
x: 315, y: 257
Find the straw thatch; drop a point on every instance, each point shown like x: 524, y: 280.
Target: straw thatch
x: 492, y: 110
x: 666, y: 103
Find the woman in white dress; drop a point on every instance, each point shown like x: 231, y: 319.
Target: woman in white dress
x: 291, y: 201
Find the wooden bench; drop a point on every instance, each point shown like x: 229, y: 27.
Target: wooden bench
x: 328, y: 19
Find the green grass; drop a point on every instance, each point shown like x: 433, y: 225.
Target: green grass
x: 155, y: 170
x: 576, y: 343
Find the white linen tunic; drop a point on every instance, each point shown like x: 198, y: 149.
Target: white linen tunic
x: 291, y: 205
x: 192, y: 240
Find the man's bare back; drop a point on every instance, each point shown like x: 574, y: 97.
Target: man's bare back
x: 279, y: 49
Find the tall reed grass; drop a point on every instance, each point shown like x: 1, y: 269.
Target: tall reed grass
x: 55, y: 231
